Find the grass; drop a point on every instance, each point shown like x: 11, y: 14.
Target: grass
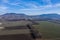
x: 14, y: 23
x: 49, y: 30
x: 10, y: 32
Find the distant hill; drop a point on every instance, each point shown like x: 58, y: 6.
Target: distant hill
x: 15, y: 16
x: 46, y: 17
x: 50, y: 16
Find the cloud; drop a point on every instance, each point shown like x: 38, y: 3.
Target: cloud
x: 41, y: 7
x: 3, y: 9
x: 30, y: 6
x: 57, y: 5
x: 8, y: 2
x: 5, y: 1
x: 47, y: 1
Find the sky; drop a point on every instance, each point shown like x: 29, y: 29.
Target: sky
x: 30, y: 7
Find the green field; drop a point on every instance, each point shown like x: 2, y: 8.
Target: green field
x: 49, y: 30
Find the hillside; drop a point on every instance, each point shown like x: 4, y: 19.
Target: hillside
x: 17, y: 17
x: 13, y: 16
x: 49, y: 30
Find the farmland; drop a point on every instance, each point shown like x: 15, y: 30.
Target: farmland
x: 48, y: 30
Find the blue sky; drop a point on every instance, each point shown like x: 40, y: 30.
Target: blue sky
x: 30, y: 7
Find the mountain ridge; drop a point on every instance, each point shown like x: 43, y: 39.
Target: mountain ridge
x: 15, y: 16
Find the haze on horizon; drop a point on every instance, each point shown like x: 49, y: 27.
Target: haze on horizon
x: 30, y: 7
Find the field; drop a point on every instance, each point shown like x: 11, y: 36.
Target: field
x: 15, y: 30
x: 49, y: 30
x: 14, y: 23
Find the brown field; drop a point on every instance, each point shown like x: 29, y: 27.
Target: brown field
x: 16, y: 37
